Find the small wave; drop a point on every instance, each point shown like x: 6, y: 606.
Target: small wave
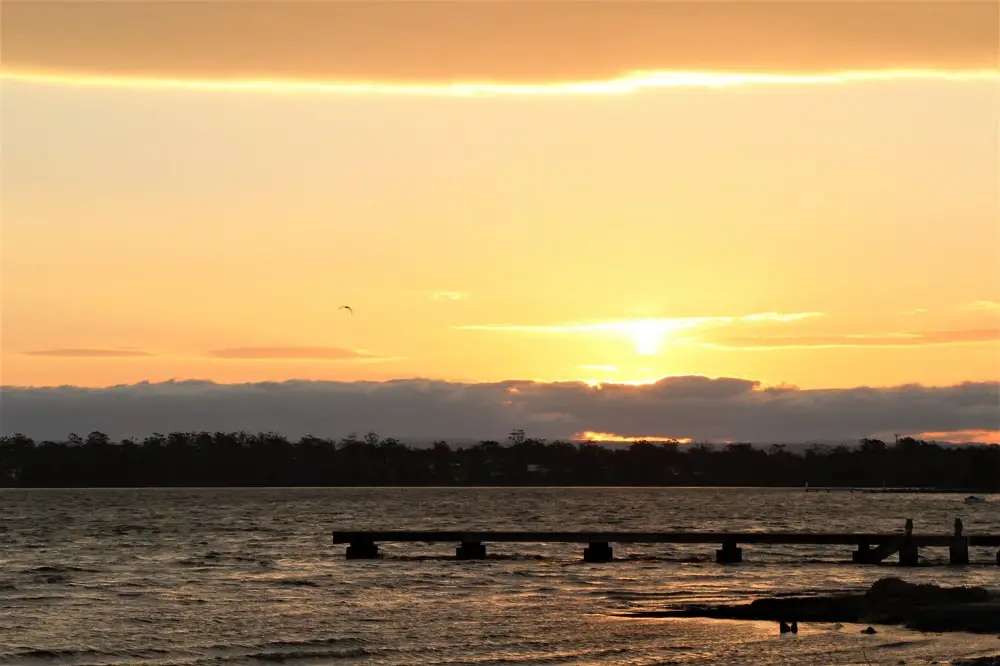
x: 301, y: 655
x: 319, y: 642
x: 37, y: 597
x: 896, y: 644
x: 298, y: 582
x: 127, y: 527
x: 63, y: 654
x: 59, y: 569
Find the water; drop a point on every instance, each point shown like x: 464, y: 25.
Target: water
x: 249, y: 576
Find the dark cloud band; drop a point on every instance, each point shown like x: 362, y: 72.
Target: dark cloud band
x: 694, y: 407
x: 508, y: 42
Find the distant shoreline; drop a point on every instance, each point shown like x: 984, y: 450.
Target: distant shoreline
x: 499, y: 486
x: 241, y: 459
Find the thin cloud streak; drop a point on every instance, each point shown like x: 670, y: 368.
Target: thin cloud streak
x: 629, y: 84
x: 693, y: 407
x: 449, y: 296
x: 501, y: 42
x: 628, y: 325
x: 981, y: 306
x: 297, y: 353
x: 90, y: 353
x: 972, y: 336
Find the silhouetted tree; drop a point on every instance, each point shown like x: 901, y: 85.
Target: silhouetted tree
x: 268, y: 458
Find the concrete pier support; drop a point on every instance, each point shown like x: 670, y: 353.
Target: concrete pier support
x: 730, y: 553
x: 958, y: 551
x: 998, y: 558
x: 598, y: 551
x: 471, y: 550
x: 908, y: 554
x: 362, y: 550
x: 864, y: 555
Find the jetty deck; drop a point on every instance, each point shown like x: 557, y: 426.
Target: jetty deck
x: 872, y: 548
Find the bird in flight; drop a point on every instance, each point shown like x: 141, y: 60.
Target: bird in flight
x: 348, y: 308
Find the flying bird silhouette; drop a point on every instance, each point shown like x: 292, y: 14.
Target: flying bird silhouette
x: 348, y: 308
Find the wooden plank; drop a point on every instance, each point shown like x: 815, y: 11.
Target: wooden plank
x: 786, y: 538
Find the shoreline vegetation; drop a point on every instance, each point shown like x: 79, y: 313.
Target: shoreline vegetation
x: 240, y: 459
x: 889, y: 601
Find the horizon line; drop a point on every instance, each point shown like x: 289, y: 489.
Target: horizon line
x: 592, y: 383
x: 629, y: 83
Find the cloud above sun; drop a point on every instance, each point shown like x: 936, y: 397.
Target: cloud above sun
x: 650, y: 335
x: 519, y: 42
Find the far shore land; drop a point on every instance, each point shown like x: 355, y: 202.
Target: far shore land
x: 889, y: 601
x: 240, y: 459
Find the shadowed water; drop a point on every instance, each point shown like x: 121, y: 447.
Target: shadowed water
x: 233, y: 576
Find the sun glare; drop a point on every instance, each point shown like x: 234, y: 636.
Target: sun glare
x: 591, y: 436
x: 632, y: 83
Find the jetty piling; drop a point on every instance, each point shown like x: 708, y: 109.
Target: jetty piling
x: 871, y: 548
x: 362, y: 549
x: 598, y: 551
x: 730, y: 553
x: 471, y: 550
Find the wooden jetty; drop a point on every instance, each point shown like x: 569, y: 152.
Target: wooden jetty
x: 870, y: 548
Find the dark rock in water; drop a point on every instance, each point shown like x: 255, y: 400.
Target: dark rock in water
x: 978, y: 661
x: 891, y: 592
x: 931, y: 608
x: 888, y: 601
x: 869, y: 630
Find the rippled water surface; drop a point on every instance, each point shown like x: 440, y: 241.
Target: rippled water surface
x: 232, y: 576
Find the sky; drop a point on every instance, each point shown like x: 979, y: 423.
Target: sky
x: 798, y: 201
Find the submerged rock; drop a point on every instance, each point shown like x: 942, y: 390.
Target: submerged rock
x: 889, y: 601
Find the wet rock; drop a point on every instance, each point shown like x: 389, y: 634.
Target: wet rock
x: 888, y: 601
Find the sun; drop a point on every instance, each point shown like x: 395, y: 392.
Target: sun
x: 649, y: 335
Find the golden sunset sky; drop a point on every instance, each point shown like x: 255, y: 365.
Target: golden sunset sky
x: 798, y: 193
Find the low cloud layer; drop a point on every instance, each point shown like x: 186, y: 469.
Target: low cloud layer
x: 518, y: 41
x: 683, y: 407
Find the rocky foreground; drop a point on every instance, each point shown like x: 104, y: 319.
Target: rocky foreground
x: 888, y: 601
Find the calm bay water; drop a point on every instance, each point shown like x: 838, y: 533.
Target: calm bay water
x: 234, y: 576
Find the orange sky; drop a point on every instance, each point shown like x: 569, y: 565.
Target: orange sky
x: 809, y: 228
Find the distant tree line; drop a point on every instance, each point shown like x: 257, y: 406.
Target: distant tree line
x: 268, y: 459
